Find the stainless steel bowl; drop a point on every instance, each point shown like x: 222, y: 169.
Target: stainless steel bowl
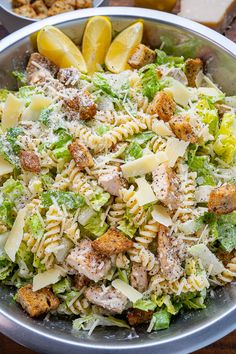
x: 194, y: 329
x: 12, y: 22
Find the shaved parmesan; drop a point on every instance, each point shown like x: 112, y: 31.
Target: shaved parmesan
x: 38, y: 103
x: 161, y: 215
x: 210, y: 91
x: 208, y: 259
x: 202, y: 193
x: 180, y: 93
x: 15, y: 236
x: 145, y: 194
x: 145, y: 164
x: 132, y: 294
x: 12, y: 111
x: 175, y: 148
x: 161, y: 128
x: 47, y: 278
x: 5, y: 167
x: 3, y: 240
x: 188, y: 227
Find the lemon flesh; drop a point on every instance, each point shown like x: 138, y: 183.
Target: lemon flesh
x: 122, y: 47
x: 96, y: 41
x: 57, y: 47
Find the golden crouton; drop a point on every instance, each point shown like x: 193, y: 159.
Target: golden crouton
x: 39, y: 67
x: 112, y: 242
x: 165, y: 186
x: 26, y: 11
x: 182, y: 128
x: 84, y: 104
x: 136, y: 317
x: 141, y: 57
x: 169, y: 260
x: 163, y: 105
x: 18, y: 3
x: 40, y: 8
x: 61, y: 6
x: 222, y: 200
x: 80, y: 154
x: 30, y: 161
x: 83, y: 4
x: 192, y: 68
x: 80, y: 281
x: 37, y: 303
x: 49, y: 3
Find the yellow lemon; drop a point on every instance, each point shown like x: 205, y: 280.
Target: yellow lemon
x: 96, y: 41
x: 56, y: 46
x: 122, y: 47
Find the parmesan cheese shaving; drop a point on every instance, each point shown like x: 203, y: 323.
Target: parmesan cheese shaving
x: 202, y: 193
x: 5, y: 167
x: 144, y: 165
x: 208, y: 259
x: 175, y: 148
x: 132, y: 294
x: 145, y: 194
x: 15, y: 236
x: 161, y: 215
x: 47, y: 278
x: 12, y: 111
x: 161, y: 128
x: 180, y: 93
x: 38, y: 103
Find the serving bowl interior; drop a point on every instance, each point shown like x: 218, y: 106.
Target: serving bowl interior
x: 194, y: 329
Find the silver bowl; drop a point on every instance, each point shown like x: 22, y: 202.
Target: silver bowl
x: 193, y: 330
x: 12, y: 22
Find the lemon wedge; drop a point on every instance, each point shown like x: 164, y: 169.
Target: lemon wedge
x: 122, y: 47
x: 96, y: 41
x: 56, y: 46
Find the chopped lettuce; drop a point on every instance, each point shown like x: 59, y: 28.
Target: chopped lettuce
x: 20, y: 77
x: 90, y: 322
x: 150, y: 82
x: 62, y: 286
x: 26, y: 93
x: 143, y: 138
x: 145, y: 305
x: 37, y: 263
x: 7, y: 213
x: 162, y: 59
x: 225, y: 144
x: 12, y: 137
x: 123, y: 275
x: 99, y: 199
x: 63, y: 138
x: 6, y: 267
x: 35, y: 226
x: 70, y: 200
x: 24, y: 259
x: 3, y: 95
x: 12, y: 190
x: 47, y: 181
x: 127, y: 227
x: 192, y: 300
x: 202, y: 166
x: 44, y: 116
x: 101, y: 83
x: 96, y: 225
x: 133, y: 151
x: 102, y: 129
x: 209, y: 115
x: 161, y: 320
x: 7, y: 152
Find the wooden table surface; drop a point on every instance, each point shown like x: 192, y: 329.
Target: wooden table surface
x: 226, y: 345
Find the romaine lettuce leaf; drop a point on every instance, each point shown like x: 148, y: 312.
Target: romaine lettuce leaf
x: 3, y: 95
x: 24, y: 259
x: 127, y: 227
x: 20, y: 77
x: 225, y: 144
x: 145, y: 305
x: 35, y: 226
x: 12, y: 190
x: 162, y: 58
x: 6, y: 267
x: 209, y: 114
x: 70, y: 200
x: 12, y: 137
x: 133, y: 151
x: 202, y: 166
x: 150, y: 82
x: 96, y: 225
x: 161, y: 320
x: 102, y: 129
x: 7, y: 213
x: 144, y: 137
x: 62, y: 286
x: 44, y: 116
x: 99, y: 199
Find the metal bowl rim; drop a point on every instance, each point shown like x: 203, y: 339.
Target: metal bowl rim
x: 175, y: 21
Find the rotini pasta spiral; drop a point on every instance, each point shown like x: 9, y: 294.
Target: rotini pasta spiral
x: 157, y: 144
x: 116, y: 211
x: 140, y: 254
x: 229, y: 274
x: 147, y: 233
x: 128, y: 196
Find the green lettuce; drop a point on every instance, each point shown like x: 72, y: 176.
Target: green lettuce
x: 35, y: 226
x: 101, y: 83
x: 7, y: 213
x: 150, y: 82
x: 127, y: 227
x: 96, y: 225
x: 44, y: 116
x: 133, y: 151
x: 161, y: 320
x: 202, y: 166
x: 162, y: 59
x: 7, y: 152
x: 99, y: 199
x: 47, y: 181
x: 227, y: 231
x: 20, y: 77
x: 209, y: 114
x: 70, y: 200
x: 24, y: 259
x: 12, y: 190
x: 62, y: 286
x: 225, y: 144
x: 26, y: 93
x: 12, y: 136
x: 102, y: 129
x: 143, y: 138
x: 192, y: 300
x: 3, y: 95
x: 145, y: 305
x: 90, y: 322
x: 37, y: 263
x: 6, y: 267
